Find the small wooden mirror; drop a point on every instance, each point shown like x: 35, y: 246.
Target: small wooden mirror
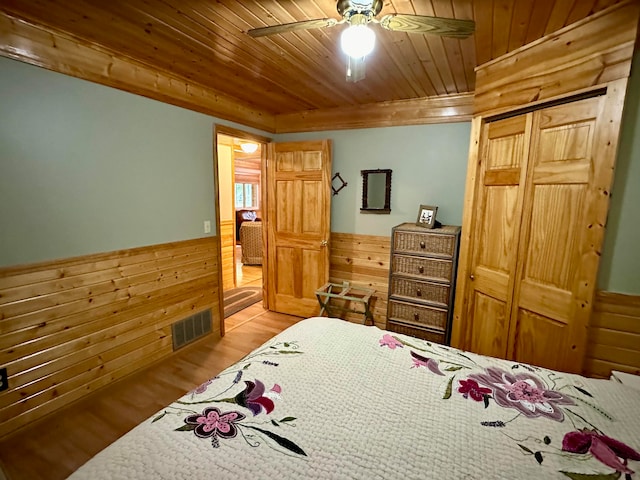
x: 376, y: 191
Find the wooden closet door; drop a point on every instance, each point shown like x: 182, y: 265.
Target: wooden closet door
x: 503, y: 164
x: 558, y: 257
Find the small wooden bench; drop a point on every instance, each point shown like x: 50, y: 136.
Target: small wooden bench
x: 330, y: 293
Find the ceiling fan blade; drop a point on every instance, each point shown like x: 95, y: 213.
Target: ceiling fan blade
x: 291, y: 27
x: 446, y: 27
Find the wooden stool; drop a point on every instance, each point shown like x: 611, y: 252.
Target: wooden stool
x: 345, y: 292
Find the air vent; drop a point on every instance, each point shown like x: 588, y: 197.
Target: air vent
x: 191, y: 328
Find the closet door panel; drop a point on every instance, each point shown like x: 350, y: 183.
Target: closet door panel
x: 553, y: 303
x: 553, y: 236
x: 503, y: 165
x: 557, y: 214
x: 489, y: 316
x: 538, y: 338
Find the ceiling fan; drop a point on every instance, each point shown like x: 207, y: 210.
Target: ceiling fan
x: 358, y: 40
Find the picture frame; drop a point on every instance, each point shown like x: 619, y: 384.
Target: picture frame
x: 427, y: 216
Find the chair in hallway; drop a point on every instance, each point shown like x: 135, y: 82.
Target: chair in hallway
x: 251, y: 241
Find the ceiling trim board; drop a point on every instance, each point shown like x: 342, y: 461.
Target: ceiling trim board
x: 420, y: 111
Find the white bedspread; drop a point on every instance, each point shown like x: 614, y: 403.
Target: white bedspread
x: 331, y: 399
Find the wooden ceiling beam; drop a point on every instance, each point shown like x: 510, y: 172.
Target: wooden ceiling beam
x: 442, y: 109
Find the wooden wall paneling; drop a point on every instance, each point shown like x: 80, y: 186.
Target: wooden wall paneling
x: 29, y: 311
x: 228, y: 247
x: 363, y: 260
x: 444, y: 109
x: 68, y: 327
x: 614, y: 335
x: 581, y: 56
x: 63, y: 331
x: 66, y: 54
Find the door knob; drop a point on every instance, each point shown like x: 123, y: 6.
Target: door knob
x: 324, y: 243
x: 472, y: 276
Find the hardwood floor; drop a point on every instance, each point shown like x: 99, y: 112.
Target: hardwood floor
x: 247, y: 275
x: 57, y: 445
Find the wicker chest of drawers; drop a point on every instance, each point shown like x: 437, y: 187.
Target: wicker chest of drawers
x: 422, y: 280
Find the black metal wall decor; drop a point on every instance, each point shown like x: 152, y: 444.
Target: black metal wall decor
x: 341, y: 186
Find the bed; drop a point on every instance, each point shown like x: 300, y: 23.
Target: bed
x: 331, y: 399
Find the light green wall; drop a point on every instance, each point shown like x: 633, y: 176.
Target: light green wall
x: 429, y: 164
x: 620, y: 264
x: 86, y: 168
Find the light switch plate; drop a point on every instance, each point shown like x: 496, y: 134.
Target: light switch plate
x: 207, y: 226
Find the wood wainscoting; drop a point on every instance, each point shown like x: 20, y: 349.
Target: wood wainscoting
x: 69, y: 327
x: 614, y: 335
x: 228, y: 247
x: 363, y: 260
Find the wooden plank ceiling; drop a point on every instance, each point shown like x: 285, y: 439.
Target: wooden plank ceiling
x: 204, y: 42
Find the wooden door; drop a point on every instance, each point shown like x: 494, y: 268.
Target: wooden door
x: 537, y: 232
x: 298, y: 227
x: 558, y: 255
x: 503, y: 160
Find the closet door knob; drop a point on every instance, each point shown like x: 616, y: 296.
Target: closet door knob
x: 416, y: 317
x: 421, y: 269
x: 472, y: 276
x: 419, y: 293
x: 423, y: 245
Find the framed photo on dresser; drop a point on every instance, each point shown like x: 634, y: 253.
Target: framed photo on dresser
x: 427, y: 216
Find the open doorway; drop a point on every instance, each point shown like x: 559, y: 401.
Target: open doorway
x: 240, y: 215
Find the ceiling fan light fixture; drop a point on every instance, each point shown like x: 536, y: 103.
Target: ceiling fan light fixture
x: 357, y: 41
x: 249, y: 147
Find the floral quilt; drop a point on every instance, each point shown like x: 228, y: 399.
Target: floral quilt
x: 331, y: 399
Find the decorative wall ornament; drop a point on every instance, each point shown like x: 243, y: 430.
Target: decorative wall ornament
x: 341, y: 186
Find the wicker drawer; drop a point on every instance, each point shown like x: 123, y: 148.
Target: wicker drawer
x: 427, y: 268
x: 424, y: 243
x: 418, y: 314
x: 422, y: 291
x: 415, y: 332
